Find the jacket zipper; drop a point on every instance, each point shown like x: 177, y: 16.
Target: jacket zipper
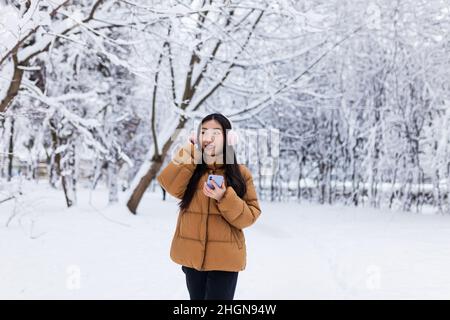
x: 206, y: 233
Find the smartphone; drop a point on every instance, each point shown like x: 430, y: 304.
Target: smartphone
x: 218, y: 179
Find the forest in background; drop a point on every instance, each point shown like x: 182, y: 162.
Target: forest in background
x: 337, y: 101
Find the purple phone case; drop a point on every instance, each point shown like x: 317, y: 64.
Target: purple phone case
x: 218, y: 179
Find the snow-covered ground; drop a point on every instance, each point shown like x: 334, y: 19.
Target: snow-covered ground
x: 295, y: 251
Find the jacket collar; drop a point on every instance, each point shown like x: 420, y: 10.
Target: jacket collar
x: 215, y: 165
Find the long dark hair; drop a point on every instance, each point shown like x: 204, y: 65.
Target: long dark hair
x: 232, y: 173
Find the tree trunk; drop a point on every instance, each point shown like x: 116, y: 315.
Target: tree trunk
x: 14, y: 85
x: 11, y: 150
x: 113, y: 185
x: 145, y: 181
x: 155, y: 166
x: 56, y: 169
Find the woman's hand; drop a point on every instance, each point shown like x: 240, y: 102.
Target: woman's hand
x: 193, y: 138
x: 216, y: 193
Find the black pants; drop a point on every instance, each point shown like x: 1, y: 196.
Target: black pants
x: 210, y: 285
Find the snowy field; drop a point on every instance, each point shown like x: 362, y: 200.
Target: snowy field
x: 295, y: 251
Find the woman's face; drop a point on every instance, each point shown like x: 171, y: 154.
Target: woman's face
x: 211, y: 138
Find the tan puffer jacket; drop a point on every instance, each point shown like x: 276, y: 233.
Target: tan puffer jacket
x: 209, y: 234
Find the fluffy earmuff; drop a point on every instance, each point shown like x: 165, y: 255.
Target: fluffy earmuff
x: 232, y: 137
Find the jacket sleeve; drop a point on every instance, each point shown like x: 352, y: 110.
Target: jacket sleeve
x: 175, y: 177
x: 240, y: 212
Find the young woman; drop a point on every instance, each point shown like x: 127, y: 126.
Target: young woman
x: 209, y: 242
